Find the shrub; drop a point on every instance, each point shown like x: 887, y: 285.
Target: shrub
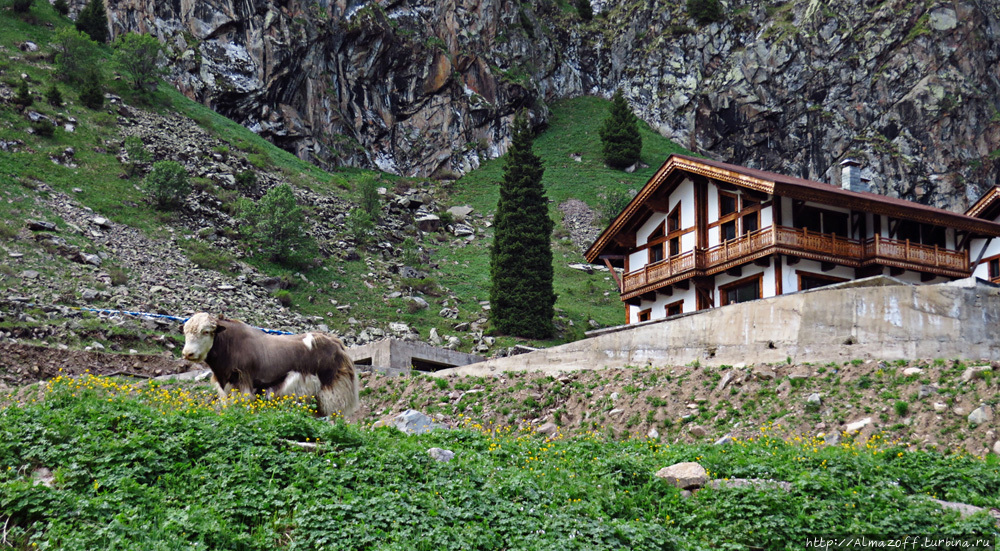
x: 620, y: 139
x: 61, y: 7
x: 615, y: 201
x: 76, y: 54
x: 92, y: 92
x: 44, y: 128
x: 167, y: 184
x: 359, y: 225
x: 135, y: 56
x: 54, y: 96
x: 902, y: 408
x: 370, y: 200
x: 137, y: 154
x: 118, y: 276
x: 22, y: 6
x: 585, y: 10
x: 284, y: 297
x: 24, y: 96
x: 410, y: 255
x: 246, y: 180
x: 705, y: 11
x: 278, y: 226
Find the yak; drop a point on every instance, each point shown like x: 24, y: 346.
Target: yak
x: 248, y: 359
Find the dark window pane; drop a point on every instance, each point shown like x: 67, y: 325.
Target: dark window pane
x: 729, y: 230
x: 750, y: 223
x: 727, y: 204
x: 656, y: 253
x: 835, y: 222
x: 814, y: 282
x: 995, y: 268
x: 674, y: 309
x: 675, y: 246
x: 743, y: 293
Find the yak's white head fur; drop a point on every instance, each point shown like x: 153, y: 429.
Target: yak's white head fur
x: 199, y: 335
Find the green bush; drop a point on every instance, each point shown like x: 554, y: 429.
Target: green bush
x: 61, y: 7
x: 167, y: 184
x: 135, y: 57
x: 77, y: 55
x: 705, y: 11
x: 370, y: 200
x: 278, y: 226
x: 359, y: 225
x: 410, y: 254
x: 92, y: 92
x: 615, y: 201
x: 246, y: 180
x: 44, y: 128
x: 283, y: 297
x: 22, y: 6
x: 24, y: 96
x: 54, y: 96
x: 137, y: 154
x: 620, y: 139
x: 585, y: 10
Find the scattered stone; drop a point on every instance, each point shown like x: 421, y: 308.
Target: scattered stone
x: 428, y: 223
x: 912, y: 371
x: 724, y: 382
x: 438, y: 454
x: 43, y: 476
x: 975, y: 372
x: 685, y: 476
x: 814, y: 398
x: 29, y: 274
x: 832, y: 439
x: 40, y: 225
x: 756, y: 483
x: 697, y: 431
x: 940, y: 407
x: 996, y: 447
x: 727, y: 439
x: 980, y: 415
x: 548, y: 429
x: 926, y: 390
x: 616, y: 411
x: 764, y: 372
x: 462, y: 230
x: 801, y: 373
x: 653, y: 434
x: 460, y: 213
x: 858, y: 425
x: 90, y: 295
x: 410, y: 421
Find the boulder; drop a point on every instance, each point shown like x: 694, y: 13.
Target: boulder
x: 685, y: 476
x: 438, y: 454
x: 980, y: 415
x: 858, y: 425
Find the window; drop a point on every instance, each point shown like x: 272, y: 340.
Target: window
x: 823, y: 221
x: 675, y: 246
x: 656, y: 253
x: 809, y: 280
x: 994, y: 269
x: 674, y: 219
x: 916, y: 232
x: 644, y: 314
x: 727, y: 204
x: 742, y: 290
x: 675, y: 308
x: 751, y: 222
x: 728, y: 230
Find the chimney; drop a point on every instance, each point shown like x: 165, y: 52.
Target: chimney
x: 850, y: 176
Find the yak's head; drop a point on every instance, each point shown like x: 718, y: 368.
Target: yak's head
x: 199, y: 335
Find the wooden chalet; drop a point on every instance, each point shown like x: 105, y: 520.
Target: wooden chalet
x: 702, y: 234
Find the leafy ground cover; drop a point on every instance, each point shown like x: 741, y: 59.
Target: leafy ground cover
x: 156, y: 467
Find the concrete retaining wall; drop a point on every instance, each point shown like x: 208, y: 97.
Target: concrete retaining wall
x: 396, y: 357
x: 878, y: 318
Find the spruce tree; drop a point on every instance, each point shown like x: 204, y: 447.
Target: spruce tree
x: 585, y: 10
x: 93, y: 20
x: 620, y: 134
x: 521, y: 296
x: 62, y: 7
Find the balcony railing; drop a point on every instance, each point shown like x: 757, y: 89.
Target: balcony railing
x: 786, y: 240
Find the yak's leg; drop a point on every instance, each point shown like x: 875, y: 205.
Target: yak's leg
x: 222, y: 390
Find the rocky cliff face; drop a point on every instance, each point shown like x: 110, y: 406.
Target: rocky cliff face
x: 429, y: 87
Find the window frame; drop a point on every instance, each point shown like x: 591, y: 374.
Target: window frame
x: 724, y: 289
x: 813, y: 275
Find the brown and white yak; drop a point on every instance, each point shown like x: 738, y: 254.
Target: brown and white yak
x: 246, y: 358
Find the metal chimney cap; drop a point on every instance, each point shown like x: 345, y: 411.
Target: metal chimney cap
x: 850, y: 162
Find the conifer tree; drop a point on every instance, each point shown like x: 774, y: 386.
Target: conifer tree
x: 62, y: 7
x: 93, y: 20
x: 620, y: 134
x: 521, y: 296
x: 585, y: 10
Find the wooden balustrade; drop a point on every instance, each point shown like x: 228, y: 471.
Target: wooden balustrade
x: 833, y: 246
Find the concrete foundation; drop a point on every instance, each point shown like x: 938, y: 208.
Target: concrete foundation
x: 395, y: 357
x: 876, y: 318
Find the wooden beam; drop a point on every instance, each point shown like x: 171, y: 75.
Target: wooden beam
x: 634, y: 301
x: 614, y: 273
x: 857, y: 221
x: 764, y: 262
x: 867, y: 271
x: 962, y: 241
x: 894, y: 227
x: 792, y: 260
x: 981, y: 252
x: 650, y: 296
x: 667, y: 291
x: 926, y: 276
x: 826, y: 266
x: 894, y: 271
x: 735, y: 271
x: 659, y: 204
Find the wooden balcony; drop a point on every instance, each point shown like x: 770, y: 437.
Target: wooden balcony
x: 796, y: 242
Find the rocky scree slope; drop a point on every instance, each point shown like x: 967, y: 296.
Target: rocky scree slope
x: 65, y: 255
x: 429, y: 87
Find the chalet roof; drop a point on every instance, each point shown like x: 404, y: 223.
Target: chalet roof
x: 988, y: 206
x: 784, y: 186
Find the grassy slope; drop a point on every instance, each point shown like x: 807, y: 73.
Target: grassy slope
x: 463, y: 270
x: 152, y: 468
